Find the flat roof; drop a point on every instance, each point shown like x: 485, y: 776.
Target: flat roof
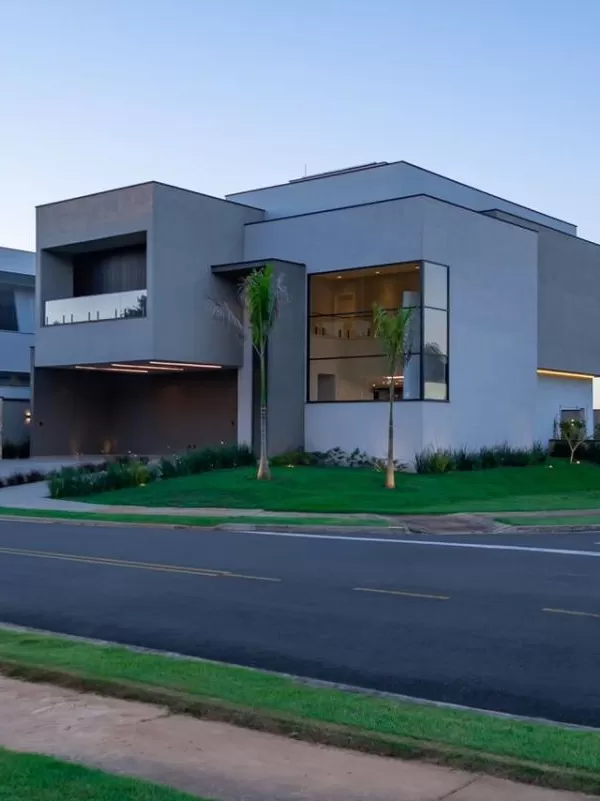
x: 381, y: 165
x: 146, y: 183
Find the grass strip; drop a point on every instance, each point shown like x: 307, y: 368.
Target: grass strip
x: 201, y: 521
x: 41, y: 778
x: 575, y: 520
x: 547, y: 755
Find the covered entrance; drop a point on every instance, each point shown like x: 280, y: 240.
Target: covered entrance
x: 147, y: 408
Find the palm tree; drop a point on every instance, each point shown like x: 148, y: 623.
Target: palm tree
x: 261, y: 294
x: 393, y: 329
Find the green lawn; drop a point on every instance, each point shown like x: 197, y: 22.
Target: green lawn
x: 276, y: 703
x: 338, y: 490
x: 29, y: 777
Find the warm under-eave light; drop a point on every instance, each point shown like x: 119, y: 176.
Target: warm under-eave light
x: 110, y: 369
x: 146, y: 368
x: 188, y: 364
x: 564, y: 374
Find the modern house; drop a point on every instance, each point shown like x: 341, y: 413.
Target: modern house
x: 129, y: 357
x: 17, y: 324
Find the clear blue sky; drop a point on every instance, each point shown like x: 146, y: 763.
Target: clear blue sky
x: 224, y: 95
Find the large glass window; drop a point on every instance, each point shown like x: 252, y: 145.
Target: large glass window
x: 8, y: 310
x: 435, y: 332
x: 346, y: 358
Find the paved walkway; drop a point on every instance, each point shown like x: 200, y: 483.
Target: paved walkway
x: 35, y: 496
x: 8, y: 467
x: 220, y: 761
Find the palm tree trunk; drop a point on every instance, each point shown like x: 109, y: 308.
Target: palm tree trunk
x: 390, y: 476
x: 264, y: 471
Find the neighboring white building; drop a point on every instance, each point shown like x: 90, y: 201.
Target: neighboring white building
x: 17, y: 327
x: 506, y: 303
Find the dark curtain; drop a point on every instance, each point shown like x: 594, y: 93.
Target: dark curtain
x: 119, y: 270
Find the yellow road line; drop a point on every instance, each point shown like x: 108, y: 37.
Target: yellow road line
x: 571, y: 612
x: 151, y: 566
x: 405, y: 594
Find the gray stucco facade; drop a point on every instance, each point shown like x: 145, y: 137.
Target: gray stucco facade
x: 151, y: 370
x: 82, y: 403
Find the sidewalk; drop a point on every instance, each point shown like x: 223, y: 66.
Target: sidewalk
x: 221, y: 761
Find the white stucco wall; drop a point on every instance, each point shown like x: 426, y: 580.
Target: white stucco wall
x: 493, y: 329
x: 339, y: 240
x: 596, y: 391
x: 554, y: 394
x: 364, y: 426
x: 398, y: 179
x: 493, y: 319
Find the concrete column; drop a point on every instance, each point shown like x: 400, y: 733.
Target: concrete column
x: 286, y: 364
x: 245, y: 391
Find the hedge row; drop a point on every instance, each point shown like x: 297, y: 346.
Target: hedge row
x: 72, y: 482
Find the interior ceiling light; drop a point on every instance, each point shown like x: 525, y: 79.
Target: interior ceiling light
x: 110, y: 369
x: 189, y: 364
x: 563, y: 374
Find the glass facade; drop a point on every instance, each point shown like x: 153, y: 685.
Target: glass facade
x: 346, y: 361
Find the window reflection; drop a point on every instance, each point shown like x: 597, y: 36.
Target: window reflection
x: 435, y: 324
x: 435, y: 285
x: 435, y: 374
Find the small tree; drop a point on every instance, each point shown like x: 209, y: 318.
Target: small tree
x: 261, y: 295
x: 393, y: 329
x: 574, y: 432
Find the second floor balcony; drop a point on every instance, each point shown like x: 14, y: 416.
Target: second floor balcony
x: 94, y: 308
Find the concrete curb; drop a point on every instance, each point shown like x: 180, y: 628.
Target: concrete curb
x: 232, y: 527
x: 360, y: 530
x: 575, y: 529
x: 364, y: 531
x: 311, y: 730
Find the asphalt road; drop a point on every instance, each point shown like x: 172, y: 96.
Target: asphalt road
x: 510, y: 623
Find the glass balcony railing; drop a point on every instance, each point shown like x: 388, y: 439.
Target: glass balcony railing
x: 92, y: 308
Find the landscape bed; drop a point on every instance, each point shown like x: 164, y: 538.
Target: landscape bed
x: 337, y: 490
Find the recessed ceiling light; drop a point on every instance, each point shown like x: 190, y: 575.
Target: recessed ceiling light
x: 129, y: 366
x: 189, y: 364
x: 110, y: 369
x: 150, y: 367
